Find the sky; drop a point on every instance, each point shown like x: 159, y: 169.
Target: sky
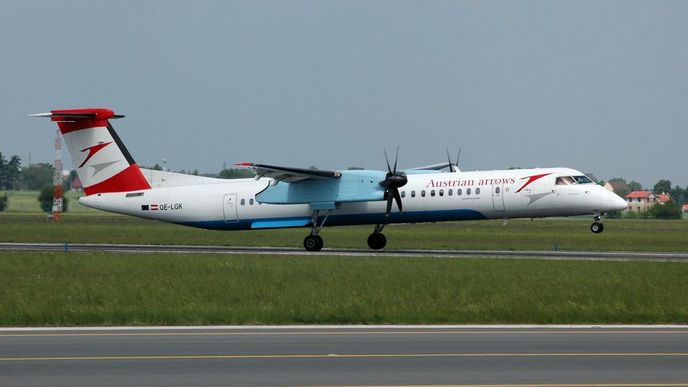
x: 599, y: 86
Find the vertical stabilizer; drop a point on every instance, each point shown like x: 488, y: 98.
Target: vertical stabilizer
x: 104, y: 163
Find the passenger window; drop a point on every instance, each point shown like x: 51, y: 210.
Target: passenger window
x: 422, y: 193
x: 496, y: 190
x: 441, y: 192
x: 243, y: 202
x: 458, y: 192
x: 432, y: 192
x: 450, y: 192
x: 250, y: 201
x: 413, y: 194
x: 403, y: 194
x: 468, y: 191
x: 477, y: 191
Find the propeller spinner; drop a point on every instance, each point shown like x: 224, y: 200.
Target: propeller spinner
x: 393, y: 181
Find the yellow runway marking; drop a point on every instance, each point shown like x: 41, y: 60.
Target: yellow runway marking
x: 353, y: 333
x: 344, y: 356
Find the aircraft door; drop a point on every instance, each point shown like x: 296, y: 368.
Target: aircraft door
x: 498, y: 197
x: 230, y: 208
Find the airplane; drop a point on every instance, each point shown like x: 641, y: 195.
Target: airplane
x: 283, y: 197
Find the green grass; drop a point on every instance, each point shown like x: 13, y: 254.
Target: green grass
x: 48, y: 289
x: 26, y: 202
x: 539, y: 234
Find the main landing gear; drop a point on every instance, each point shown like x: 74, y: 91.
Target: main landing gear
x: 597, y: 226
x: 377, y: 239
x: 314, y: 242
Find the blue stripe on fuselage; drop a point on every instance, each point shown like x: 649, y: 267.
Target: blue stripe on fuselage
x: 340, y: 220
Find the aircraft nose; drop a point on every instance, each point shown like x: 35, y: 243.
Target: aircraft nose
x: 617, y: 203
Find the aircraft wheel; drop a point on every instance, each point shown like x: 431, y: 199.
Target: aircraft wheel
x: 597, y: 227
x: 313, y: 243
x: 377, y: 240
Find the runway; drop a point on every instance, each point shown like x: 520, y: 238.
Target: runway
x: 361, y: 355
x: 552, y: 255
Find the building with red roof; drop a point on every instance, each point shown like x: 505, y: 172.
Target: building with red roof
x: 663, y: 197
x: 640, y: 201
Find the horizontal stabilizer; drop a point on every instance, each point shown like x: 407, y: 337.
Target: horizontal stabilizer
x: 72, y: 115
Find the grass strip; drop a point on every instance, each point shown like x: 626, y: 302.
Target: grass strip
x: 539, y: 234
x: 58, y: 289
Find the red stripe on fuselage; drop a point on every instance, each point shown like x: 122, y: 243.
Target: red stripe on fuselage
x: 130, y: 179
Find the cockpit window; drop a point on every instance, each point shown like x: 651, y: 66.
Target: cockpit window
x: 568, y: 180
x: 565, y: 180
x: 582, y: 179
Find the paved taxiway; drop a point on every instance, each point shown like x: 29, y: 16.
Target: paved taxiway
x: 392, y: 355
x: 553, y: 255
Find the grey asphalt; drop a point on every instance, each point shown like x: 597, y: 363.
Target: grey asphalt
x: 345, y: 356
x: 552, y: 255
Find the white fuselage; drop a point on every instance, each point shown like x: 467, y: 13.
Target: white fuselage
x: 427, y: 197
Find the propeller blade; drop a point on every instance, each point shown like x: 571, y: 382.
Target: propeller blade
x: 451, y: 167
x: 387, y: 160
x: 389, y: 203
x: 458, y: 157
x: 396, y: 157
x: 397, y: 197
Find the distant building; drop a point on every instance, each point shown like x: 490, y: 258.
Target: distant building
x: 639, y: 201
x: 663, y: 198
x: 684, y: 210
x: 617, y: 186
x: 76, y: 185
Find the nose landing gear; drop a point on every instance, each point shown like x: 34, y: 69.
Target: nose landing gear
x: 597, y: 226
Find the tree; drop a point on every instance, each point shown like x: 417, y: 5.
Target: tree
x: 662, y: 186
x: 666, y: 210
x: 635, y: 186
x: 9, y: 172
x: 679, y: 195
x: 37, y: 176
x: 46, y: 200
x: 3, y: 202
x: 235, y: 173
x: 67, y: 185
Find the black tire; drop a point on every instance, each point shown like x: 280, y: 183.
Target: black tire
x: 597, y: 227
x: 377, y: 241
x: 313, y: 243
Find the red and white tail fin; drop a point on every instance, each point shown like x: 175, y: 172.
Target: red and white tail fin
x: 104, y: 164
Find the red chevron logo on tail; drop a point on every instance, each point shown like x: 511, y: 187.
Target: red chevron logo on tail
x: 92, y: 150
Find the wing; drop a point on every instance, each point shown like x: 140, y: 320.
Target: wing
x: 289, y: 174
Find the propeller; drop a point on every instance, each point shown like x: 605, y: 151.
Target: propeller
x: 451, y: 166
x: 393, y: 181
